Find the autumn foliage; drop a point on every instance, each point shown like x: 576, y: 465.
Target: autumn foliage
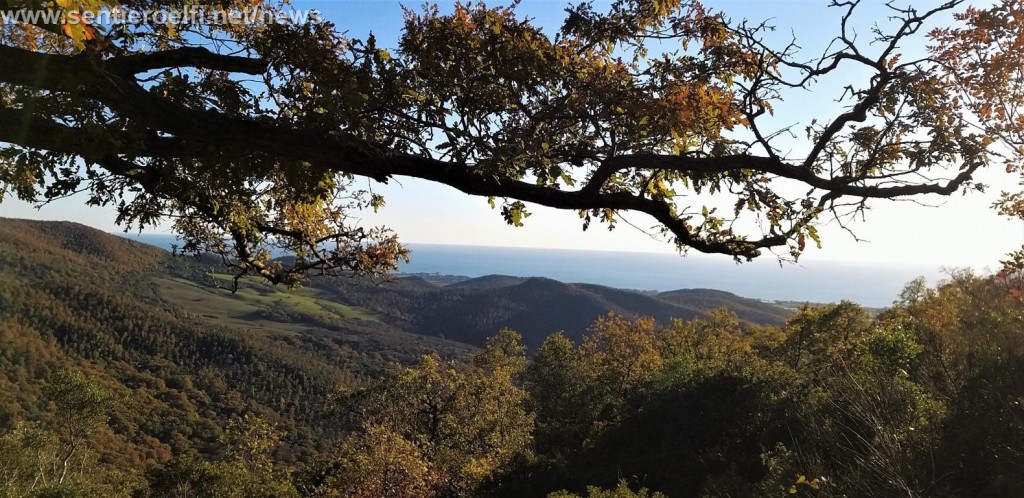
x: 255, y: 139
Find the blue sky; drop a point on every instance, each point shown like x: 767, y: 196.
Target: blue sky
x: 959, y: 230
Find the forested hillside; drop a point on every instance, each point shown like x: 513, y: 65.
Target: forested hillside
x: 73, y: 297
x: 125, y: 372
x: 186, y: 355
x: 472, y: 310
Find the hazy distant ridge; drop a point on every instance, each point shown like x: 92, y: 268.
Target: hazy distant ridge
x: 471, y: 310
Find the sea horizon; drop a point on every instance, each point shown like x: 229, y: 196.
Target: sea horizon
x: 869, y: 284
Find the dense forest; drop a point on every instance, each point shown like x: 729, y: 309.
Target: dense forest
x: 109, y: 389
x: 73, y: 298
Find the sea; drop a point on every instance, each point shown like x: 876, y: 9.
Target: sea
x: 870, y: 284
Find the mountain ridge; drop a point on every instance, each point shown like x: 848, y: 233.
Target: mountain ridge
x: 164, y: 330
x: 468, y: 310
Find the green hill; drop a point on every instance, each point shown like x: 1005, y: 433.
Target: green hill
x: 748, y: 309
x: 488, y: 282
x: 168, y: 331
x: 189, y: 355
x: 474, y: 309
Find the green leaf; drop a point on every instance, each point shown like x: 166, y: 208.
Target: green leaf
x: 813, y: 234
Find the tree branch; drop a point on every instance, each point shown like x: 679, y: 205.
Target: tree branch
x: 182, y: 128
x: 197, y: 57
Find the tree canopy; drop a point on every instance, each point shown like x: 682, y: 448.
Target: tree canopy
x: 258, y: 137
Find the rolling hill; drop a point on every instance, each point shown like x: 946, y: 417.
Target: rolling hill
x: 370, y: 318
x: 166, y: 331
x: 190, y: 356
x: 472, y: 310
x: 751, y: 310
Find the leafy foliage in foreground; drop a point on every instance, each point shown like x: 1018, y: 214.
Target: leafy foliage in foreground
x: 922, y: 400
